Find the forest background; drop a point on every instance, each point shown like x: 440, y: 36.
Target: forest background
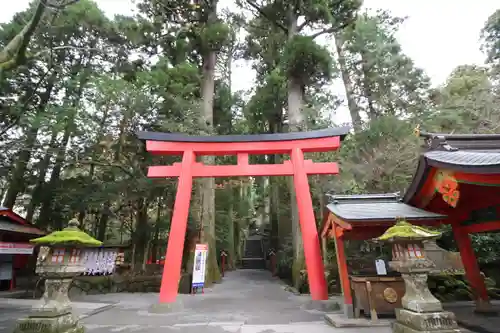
x: 75, y: 86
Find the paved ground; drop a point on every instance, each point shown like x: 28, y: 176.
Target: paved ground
x: 479, y: 323
x: 246, y: 302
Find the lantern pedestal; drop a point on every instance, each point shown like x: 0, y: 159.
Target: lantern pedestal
x: 417, y: 296
x: 53, y: 313
x: 55, y: 300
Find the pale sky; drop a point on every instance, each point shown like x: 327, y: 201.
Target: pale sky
x: 438, y: 34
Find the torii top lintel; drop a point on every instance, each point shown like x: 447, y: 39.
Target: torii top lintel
x: 279, y: 143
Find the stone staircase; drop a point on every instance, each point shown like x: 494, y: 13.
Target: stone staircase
x: 253, y: 254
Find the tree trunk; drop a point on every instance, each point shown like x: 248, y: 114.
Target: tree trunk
x: 141, y: 233
x: 230, y: 236
x: 42, y: 171
x: 46, y: 210
x: 274, y: 211
x: 349, y: 88
x: 296, y: 123
x: 156, y: 235
x: 16, y: 181
x: 322, y: 204
x: 367, y: 86
x: 73, y: 97
x: 13, y: 54
x: 208, y: 184
x: 90, y: 177
x: 103, y: 223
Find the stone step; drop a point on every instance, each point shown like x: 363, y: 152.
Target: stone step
x: 253, y: 263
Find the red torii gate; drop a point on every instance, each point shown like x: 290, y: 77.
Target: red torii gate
x: 295, y: 144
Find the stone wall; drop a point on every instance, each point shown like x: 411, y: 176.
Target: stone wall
x: 92, y: 285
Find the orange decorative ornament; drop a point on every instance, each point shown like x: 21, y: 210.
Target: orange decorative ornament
x: 447, y: 185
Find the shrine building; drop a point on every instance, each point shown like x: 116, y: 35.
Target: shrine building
x: 457, y: 182
x: 15, y: 249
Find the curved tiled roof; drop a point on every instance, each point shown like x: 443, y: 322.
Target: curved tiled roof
x: 376, y: 207
x: 470, y: 153
x: 465, y: 158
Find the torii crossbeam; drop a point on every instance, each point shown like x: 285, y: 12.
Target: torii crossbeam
x: 295, y: 144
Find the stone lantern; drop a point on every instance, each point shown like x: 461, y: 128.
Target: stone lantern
x: 421, y: 311
x: 59, y: 261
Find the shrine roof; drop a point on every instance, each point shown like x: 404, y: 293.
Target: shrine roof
x: 469, y: 153
x: 376, y: 207
x: 179, y: 137
x: 7, y: 226
x: 12, y: 222
x: 479, y: 153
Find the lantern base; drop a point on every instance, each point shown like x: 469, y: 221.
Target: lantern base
x: 401, y: 328
x: 66, y: 323
x: 442, y: 321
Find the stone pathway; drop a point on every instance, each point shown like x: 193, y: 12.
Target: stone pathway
x: 464, y: 311
x: 247, y: 301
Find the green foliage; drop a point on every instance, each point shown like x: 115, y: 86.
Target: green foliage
x: 449, y: 288
x: 336, y: 13
x: 386, y: 82
x: 69, y: 115
x: 380, y: 159
x: 307, y: 61
x: 491, y: 38
x: 468, y: 103
x: 215, y: 36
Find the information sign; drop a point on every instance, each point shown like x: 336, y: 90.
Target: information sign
x: 200, y: 260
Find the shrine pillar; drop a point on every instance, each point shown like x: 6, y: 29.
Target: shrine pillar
x: 343, y: 271
x: 312, y: 251
x: 173, y: 258
x: 472, y: 271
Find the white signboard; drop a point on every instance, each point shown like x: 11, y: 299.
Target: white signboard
x: 380, y: 266
x: 16, y: 248
x: 99, y: 261
x: 200, y: 261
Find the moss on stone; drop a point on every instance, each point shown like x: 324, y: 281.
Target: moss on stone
x: 68, y: 236
x: 404, y: 230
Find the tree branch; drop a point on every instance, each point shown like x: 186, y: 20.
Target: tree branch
x: 263, y: 14
x: 61, y: 6
x: 14, y: 53
x: 323, y: 32
x: 66, y: 47
x: 105, y: 164
x: 332, y: 29
x: 302, y: 26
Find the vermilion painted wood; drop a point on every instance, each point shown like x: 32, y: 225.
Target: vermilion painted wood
x: 481, y: 227
x: 173, y: 258
x: 342, y: 266
x: 487, y: 179
x: 189, y: 168
x: 427, y: 192
x: 312, y: 249
x: 13, y: 216
x: 233, y: 148
x: 471, y: 266
x: 284, y: 169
